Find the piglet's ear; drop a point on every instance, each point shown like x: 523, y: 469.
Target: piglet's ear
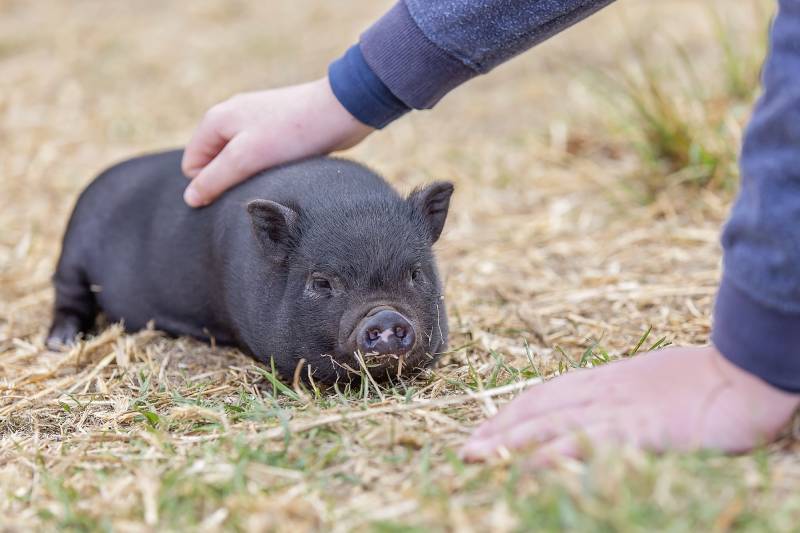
x: 432, y: 203
x: 274, y: 224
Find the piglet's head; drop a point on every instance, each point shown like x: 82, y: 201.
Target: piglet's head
x: 362, y: 291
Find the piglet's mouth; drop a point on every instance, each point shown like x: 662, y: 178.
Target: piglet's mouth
x: 390, y: 364
x: 382, y: 367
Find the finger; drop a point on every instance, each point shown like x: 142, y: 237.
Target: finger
x: 563, y: 392
x: 537, y: 430
x: 580, y: 444
x: 235, y: 163
x: 208, y: 140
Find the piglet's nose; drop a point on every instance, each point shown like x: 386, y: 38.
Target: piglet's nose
x: 386, y: 332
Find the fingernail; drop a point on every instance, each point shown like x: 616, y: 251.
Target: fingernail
x: 474, y: 449
x: 192, y: 197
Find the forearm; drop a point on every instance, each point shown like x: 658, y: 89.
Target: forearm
x: 422, y: 49
x: 757, y: 315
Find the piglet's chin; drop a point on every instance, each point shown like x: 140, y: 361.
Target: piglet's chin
x: 381, y: 367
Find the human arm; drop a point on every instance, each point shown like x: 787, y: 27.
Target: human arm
x: 741, y: 391
x: 757, y: 313
x: 408, y: 59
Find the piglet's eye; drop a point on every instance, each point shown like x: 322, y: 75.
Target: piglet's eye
x: 320, y: 284
x: 416, y: 274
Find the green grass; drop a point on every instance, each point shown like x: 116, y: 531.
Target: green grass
x: 683, y: 114
x: 221, y: 479
x: 699, y: 492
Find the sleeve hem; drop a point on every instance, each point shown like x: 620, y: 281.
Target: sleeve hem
x: 361, y: 92
x: 760, y: 340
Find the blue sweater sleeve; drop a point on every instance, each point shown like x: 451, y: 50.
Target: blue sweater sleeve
x: 757, y: 313
x: 422, y: 49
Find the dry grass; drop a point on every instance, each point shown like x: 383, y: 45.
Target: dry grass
x: 545, y: 254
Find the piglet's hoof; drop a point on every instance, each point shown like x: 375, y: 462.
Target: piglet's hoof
x: 63, y: 333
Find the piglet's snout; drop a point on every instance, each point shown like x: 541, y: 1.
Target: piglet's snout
x: 386, y: 332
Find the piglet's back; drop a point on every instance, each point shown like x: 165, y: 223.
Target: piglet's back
x: 149, y: 256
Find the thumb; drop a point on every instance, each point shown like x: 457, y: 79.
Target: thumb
x: 234, y: 164
x: 210, y: 137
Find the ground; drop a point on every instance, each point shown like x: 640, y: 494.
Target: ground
x: 592, y: 177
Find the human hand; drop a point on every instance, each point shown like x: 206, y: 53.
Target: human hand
x: 673, y: 399
x: 254, y: 131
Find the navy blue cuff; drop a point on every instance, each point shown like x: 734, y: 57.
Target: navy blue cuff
x: 760, y: 340
x: 361, y: 92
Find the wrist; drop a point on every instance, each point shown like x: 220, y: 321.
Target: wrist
x: 349, y: 130
x: 756, y: 336
x: 750, y: 385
